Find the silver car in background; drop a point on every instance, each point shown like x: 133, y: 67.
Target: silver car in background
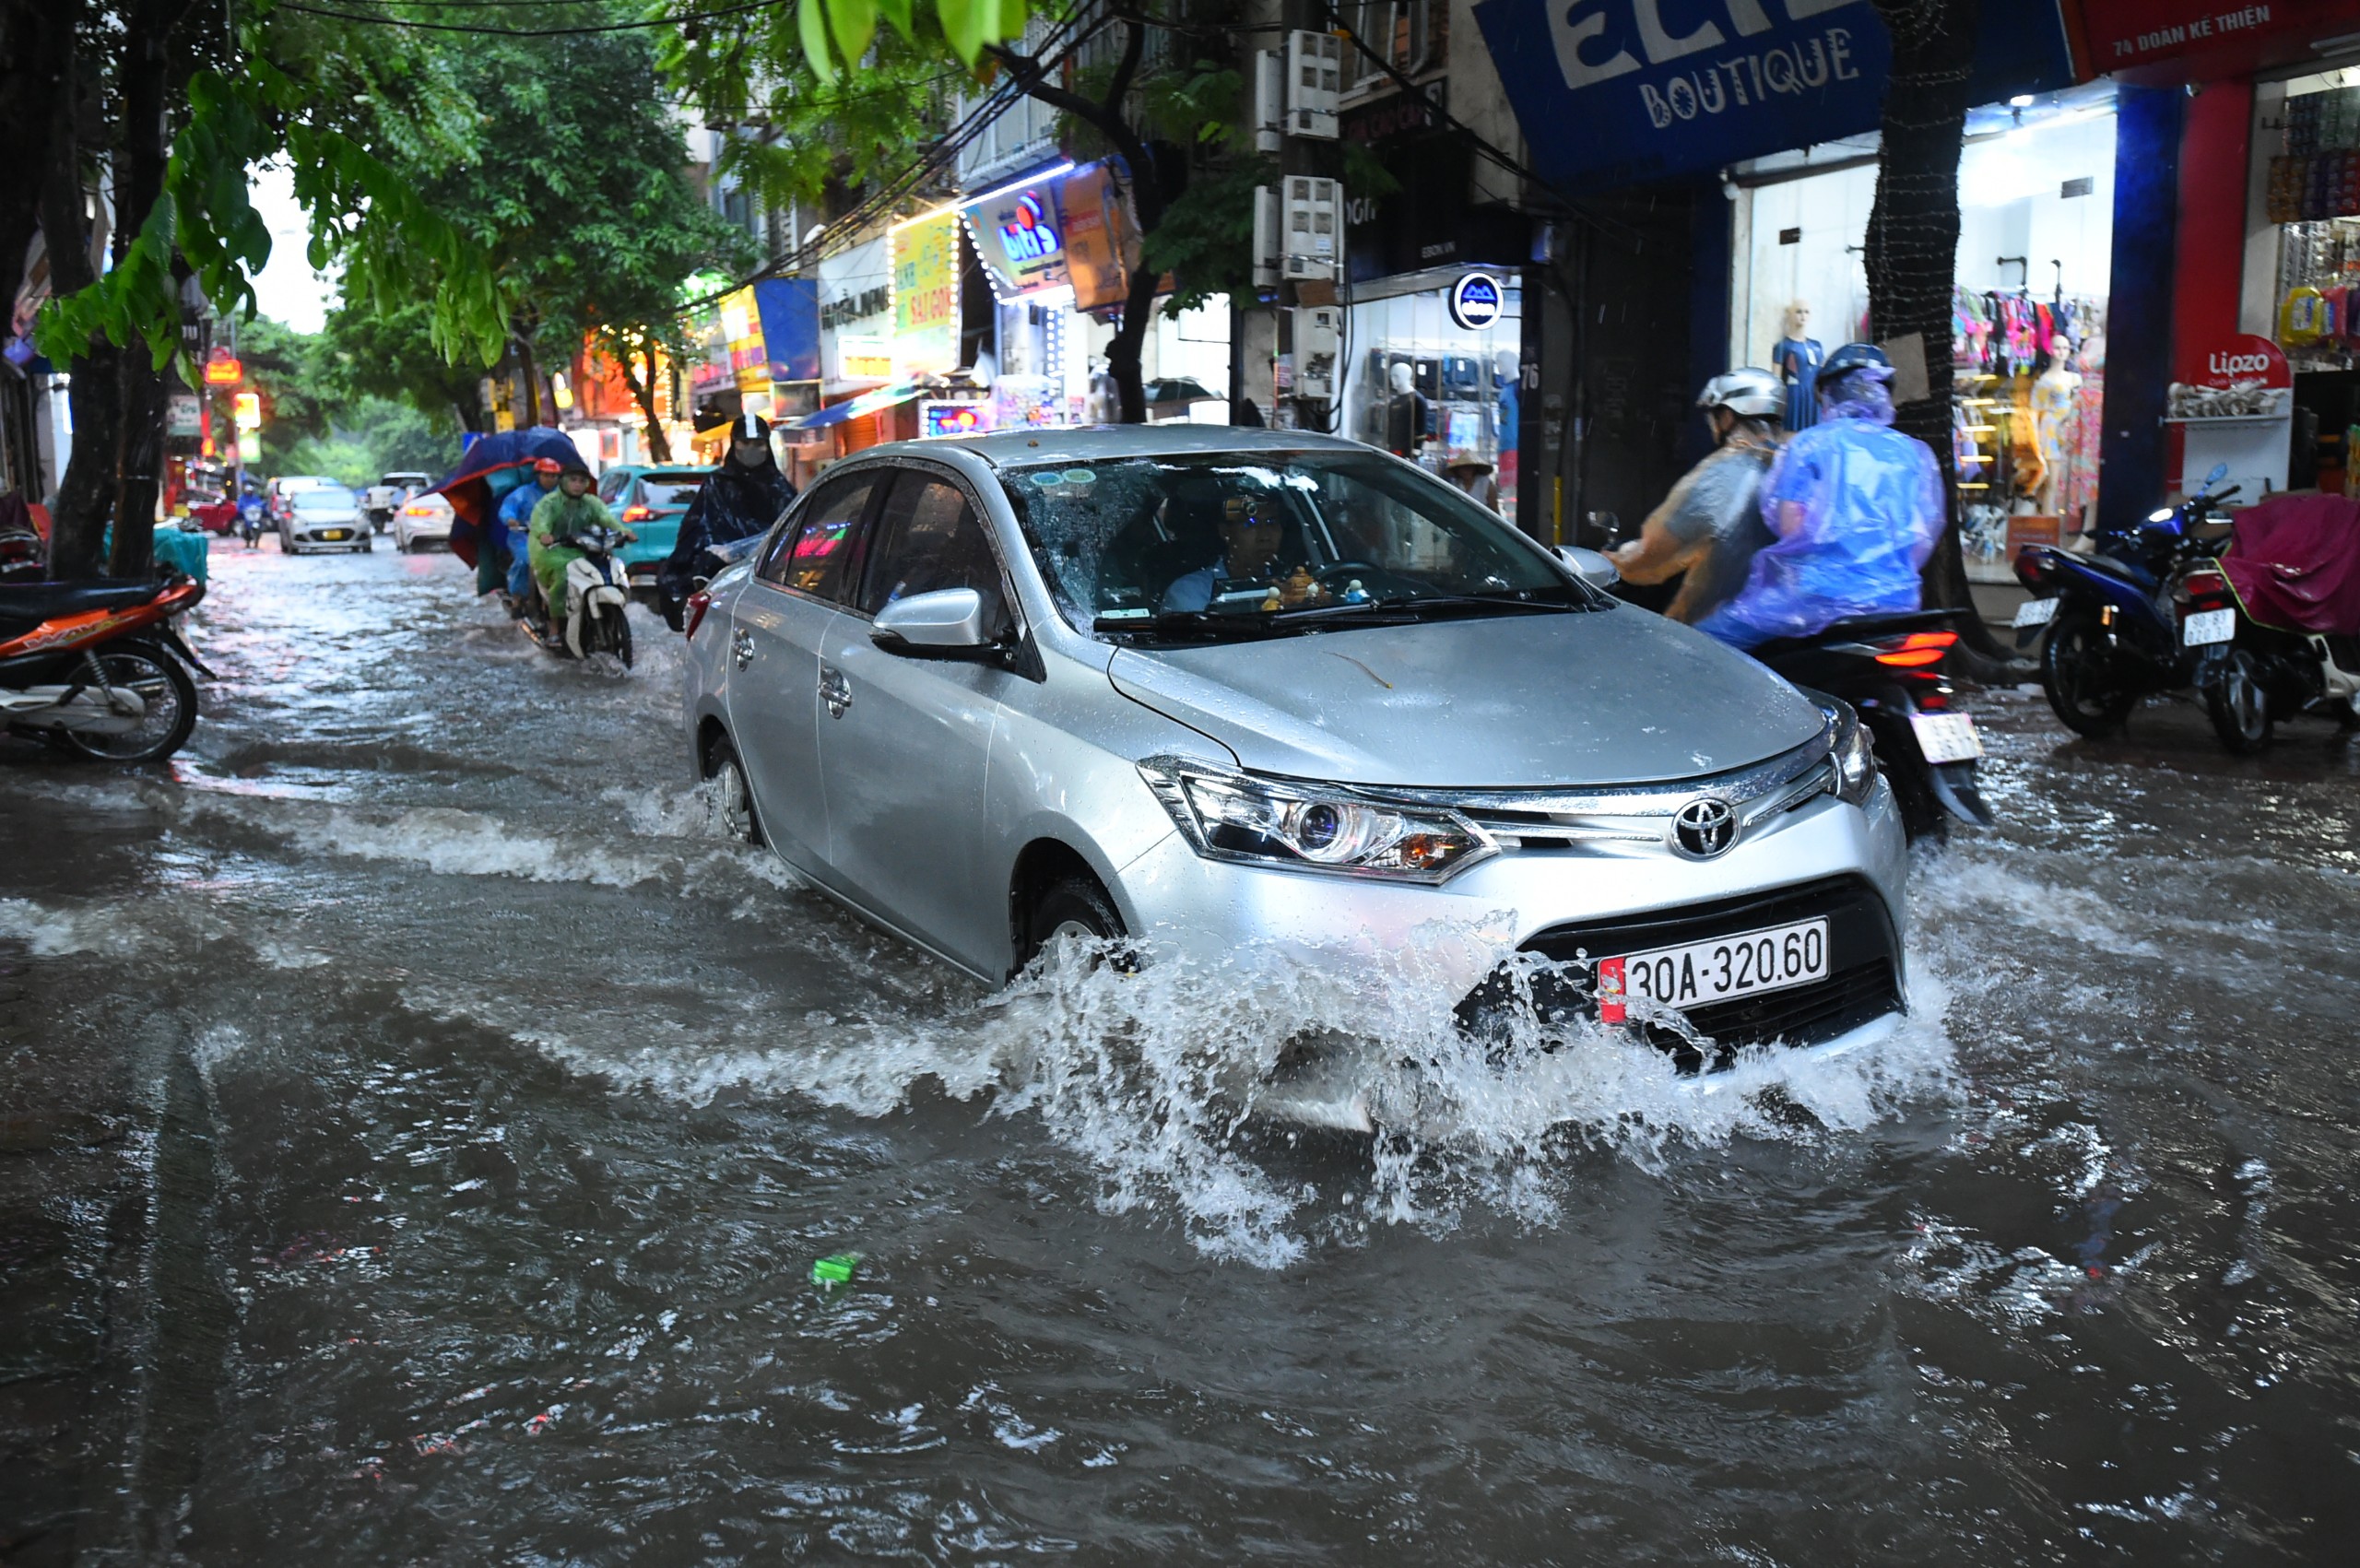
x: 1205, y: 688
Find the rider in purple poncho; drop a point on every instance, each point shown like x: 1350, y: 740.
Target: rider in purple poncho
x: 1855, y: 507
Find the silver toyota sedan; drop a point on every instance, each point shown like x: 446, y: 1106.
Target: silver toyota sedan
x: 1199, y: 688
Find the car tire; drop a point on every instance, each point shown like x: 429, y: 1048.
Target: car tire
x: 1073, y: 907
x: 368, y: 545
x: 2238, y: 705
x: 733, y: 794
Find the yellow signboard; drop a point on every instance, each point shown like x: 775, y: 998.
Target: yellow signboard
x: 924, y: 264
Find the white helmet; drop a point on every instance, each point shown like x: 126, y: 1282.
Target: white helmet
x: 1752, y: 392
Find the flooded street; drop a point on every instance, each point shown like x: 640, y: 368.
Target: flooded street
x: 421, y: 1125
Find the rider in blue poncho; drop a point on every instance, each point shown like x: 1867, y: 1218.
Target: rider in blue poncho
x: 1855, y: 507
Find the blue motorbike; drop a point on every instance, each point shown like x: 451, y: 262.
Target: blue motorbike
x: 2114, y: 616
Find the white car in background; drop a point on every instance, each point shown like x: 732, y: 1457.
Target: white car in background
x: 323, y: 517
x: 422, y: 521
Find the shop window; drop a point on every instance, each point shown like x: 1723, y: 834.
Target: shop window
x: 1413, y: 36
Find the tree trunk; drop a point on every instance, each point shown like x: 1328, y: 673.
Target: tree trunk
x: 85, y: 490
x: 642, y: 392
x: 532, y: 378
x: 1911, y: 250
x: 139, y: 456
x: 36, y: 49
x: 1123, y: 351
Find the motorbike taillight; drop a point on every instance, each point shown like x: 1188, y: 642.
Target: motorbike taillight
x: 2203, y: 586
x: 2030, y: 569
x: 699, y: 602
x: 1918, y: 649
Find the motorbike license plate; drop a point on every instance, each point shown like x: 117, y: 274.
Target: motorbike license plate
x: 1947, y: 738
x: 1749, y: 963
x: 2208, y: 626
x: 335, y: 532
x: 2036, y: 612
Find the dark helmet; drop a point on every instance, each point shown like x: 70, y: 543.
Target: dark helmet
x: 1855, y: 359
x: 572, y: 465
x: 750, y: 427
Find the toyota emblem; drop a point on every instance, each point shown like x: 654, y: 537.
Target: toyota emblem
x: 1705, y: 828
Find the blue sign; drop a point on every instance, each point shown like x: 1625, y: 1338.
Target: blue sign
x: 1476, y: 300
x: 1618, y: 92
x: 789, y: 309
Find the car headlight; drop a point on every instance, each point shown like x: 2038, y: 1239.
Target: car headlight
x: 1852, y: 751
x: 1233, y: 816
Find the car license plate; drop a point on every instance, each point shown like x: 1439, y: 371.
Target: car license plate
x: 334, y: 532
x: 2207, y: 627
x: 1697, y: 974
x: 1947, y: 738
x: 2036, y: 612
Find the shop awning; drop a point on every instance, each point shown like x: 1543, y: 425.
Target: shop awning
x: 851, y: 407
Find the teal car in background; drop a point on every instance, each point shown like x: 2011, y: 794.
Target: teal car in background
x: 649, y: 499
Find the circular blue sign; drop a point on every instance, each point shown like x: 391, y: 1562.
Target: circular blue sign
x: 1476, y: 300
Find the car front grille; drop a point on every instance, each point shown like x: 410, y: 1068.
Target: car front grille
x: 1862, y: 983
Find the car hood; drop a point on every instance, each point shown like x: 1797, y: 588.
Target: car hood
x: 1511, y: 702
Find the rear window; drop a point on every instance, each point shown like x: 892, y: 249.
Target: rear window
x: 671, y: 490
x: 324, y: 498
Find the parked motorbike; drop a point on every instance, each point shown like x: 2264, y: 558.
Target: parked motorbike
x: 99, y: 666
x: 2253, y: 675
x: 2114, y: 616
x: 1889, y: 668
x: 597, y: 590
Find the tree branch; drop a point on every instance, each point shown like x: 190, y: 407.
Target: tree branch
x: 1134, y: 45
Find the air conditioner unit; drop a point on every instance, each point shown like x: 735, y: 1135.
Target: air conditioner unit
x: 1268, y: 229
x: 1319, y: 338
x: 1313, y: 233
x: 1314, y: 77
x: 1270, y: 99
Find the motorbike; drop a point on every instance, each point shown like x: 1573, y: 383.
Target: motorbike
x: 99, y: 666
x: 2113, y: 616
x: 2251, y: 675
x: 253, y: 516
x: 1889, y: 667
x: 597, y: 590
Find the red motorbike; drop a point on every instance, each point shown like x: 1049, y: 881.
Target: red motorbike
x: 99, y: 666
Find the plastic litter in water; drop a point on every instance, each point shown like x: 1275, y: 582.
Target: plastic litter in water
x: 836, y: 1270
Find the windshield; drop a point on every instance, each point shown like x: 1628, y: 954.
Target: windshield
x: 1250, y: 543
x: 324, y: 498
x: 670, y: 489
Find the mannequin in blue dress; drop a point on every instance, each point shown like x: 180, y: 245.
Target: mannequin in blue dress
x: 1798, y: 356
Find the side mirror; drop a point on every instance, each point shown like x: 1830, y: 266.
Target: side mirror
x: 2219, y: 472
x: 945, y: 624
x: 1592, y: 567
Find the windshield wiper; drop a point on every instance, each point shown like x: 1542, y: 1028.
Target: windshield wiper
x: 1405, y: 609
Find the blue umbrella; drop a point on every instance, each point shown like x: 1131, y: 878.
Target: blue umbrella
x: 492, y: 467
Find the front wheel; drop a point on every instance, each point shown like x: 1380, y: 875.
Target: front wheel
x: 167, y: 701
x: 2239, y: 705
x: 2072, y: 672
x: 1074, y: 909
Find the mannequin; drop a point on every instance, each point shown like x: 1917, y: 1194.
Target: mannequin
x: 2052, y: 406
x: 1798, y: 357
x: 1405, y: 412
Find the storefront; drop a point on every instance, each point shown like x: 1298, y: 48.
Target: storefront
x: 1430, y: 372
x: 2028, y: 309
x: 2312, y: 203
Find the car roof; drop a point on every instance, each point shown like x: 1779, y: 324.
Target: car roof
x: 1102, y: 443
x: 674, y: 471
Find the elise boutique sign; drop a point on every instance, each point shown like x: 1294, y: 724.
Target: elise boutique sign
x: 1614, y: 91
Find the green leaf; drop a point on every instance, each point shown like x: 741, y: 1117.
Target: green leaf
x: 897, y: 12
x: 854, y: 22
x: 964, y: 22
x: 813, y: 26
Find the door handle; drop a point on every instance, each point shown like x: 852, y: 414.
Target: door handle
x: 834, y: 691
x: 741, y: 647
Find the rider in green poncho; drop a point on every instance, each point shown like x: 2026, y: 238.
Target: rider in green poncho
x: 560, y: 515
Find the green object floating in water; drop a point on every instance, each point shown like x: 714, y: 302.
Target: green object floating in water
x: 836, y: 1270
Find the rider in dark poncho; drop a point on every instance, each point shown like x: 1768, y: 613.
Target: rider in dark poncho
x: 744, y: 496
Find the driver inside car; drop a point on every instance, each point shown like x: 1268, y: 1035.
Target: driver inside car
x: 1252, y: 533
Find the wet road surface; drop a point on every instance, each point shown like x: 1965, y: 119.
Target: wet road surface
x: 419, y: 1128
